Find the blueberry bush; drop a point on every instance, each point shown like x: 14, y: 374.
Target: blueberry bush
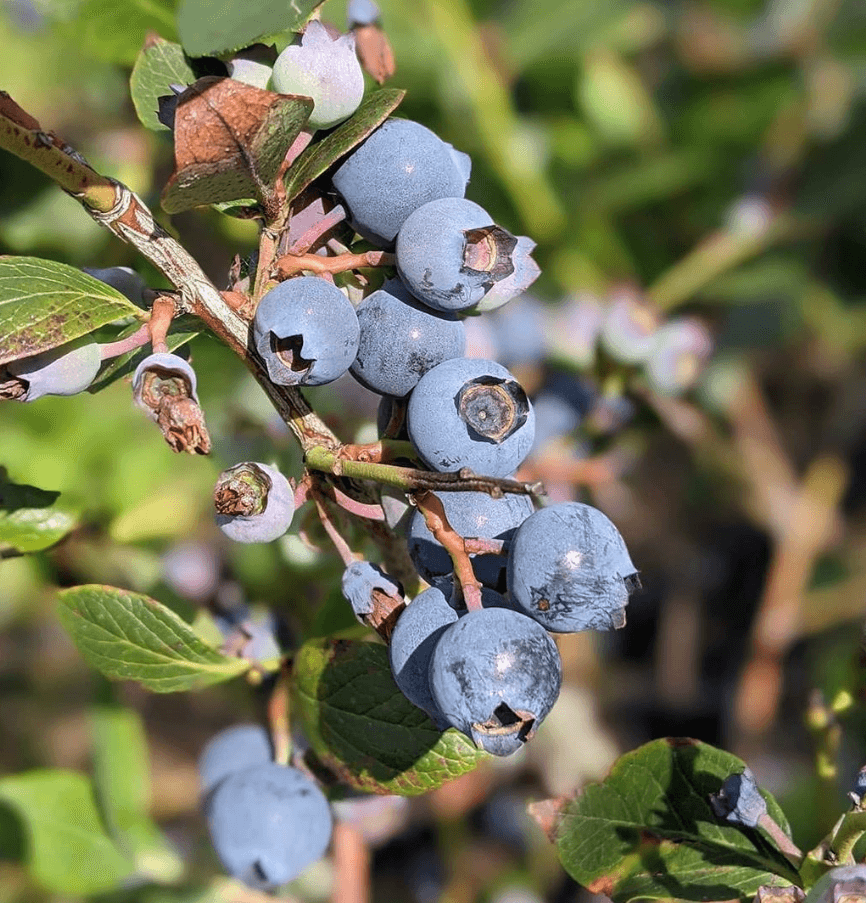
x: 474, y: 564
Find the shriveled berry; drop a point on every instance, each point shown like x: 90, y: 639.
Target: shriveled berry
x: 254, y: 503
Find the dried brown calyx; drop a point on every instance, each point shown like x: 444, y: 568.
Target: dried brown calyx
x: 242, y: 491
x: 493, y: 408
x: 488, y: 251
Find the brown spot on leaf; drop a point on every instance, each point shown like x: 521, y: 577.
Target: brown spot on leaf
x: 548, y: 815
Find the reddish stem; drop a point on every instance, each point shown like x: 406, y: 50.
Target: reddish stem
x: 351, y: 865
x: 306, y: 241
x: 161, y: 314
x: 113, y: 349
x: 290, y: 264
x: 342, y: 547
x: 437, y: 523
x: 477, y: 546
x: 353, y: 506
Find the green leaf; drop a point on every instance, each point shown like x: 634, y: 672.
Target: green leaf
x: 122, y: 782
x: 30, y: 519
x: 230, y: 140
x: 128, y: 636
x: 183, y: 329
x: 68, y: 849
x: 44, y: 304
x: 214, y: 27
x: 648, y: 831
x: 364, y: 729
x: 373, y: 111
x: 159, y: 65
x: 114, y: 30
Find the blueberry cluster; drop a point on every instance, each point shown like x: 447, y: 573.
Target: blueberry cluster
x: 494, y: 672
x: 267, y: 821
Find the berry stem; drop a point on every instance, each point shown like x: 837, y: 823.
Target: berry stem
x: 114, y: 349
x: 410, y: 479
x: 346, y: 554
x: 162, y: 312
x: 351, y: 865
x: 476, y: 546
x: 353, y: 506
x: 292, y: 264
x: 306, y: 241
x: 784, y: 844
x: 437, y: 523
x: 851, y: 827
x: 114, y: 206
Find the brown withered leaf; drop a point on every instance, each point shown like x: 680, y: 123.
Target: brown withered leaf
x: 229, y: 141
x: 374, y: 52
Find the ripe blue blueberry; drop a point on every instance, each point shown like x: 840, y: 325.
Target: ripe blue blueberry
x: 739, y: 801
x: 450, y: 253
x: 418, y: 629
x: 399, y: 168
x: 233, y: 750
x: 569, y: 569
x: 401, y: 340
x: 495, y: 674
x: 362, y: 12
x: 324, y: 68
x: 360, y: 580
x: 124, y: 279
x: 471, y: 514
x: 253, y: 502
x: 471, y: 413
x: 56, y: 372
x: 306, y: 332
x: 268, y: 822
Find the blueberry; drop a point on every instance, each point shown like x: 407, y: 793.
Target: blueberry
x: 471, y: 514
x: 254, y: 503
x: 398, y: 168
x: 231, y: 750
x: 495, y: 674
x: 325, y: 69
x: 739, y: 801
x: 678, y: 353
x: 418, y: 629
x: 568, y: 567
x: 450, y: 253
x: 843, y: 884
x: 471, y: 413
x: 362, y: 12
x: 306, y: 332
x: 629, y: 328
x: 268, y: 822
x: 519, y: 332
x: 57, y: 372
x: 124, y: 279
x: 401, y: 340
x: 250, y: 72
x: 560, y: 406
x: 360, y: 580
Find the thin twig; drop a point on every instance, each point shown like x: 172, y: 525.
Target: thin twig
x: 306, y: 241
x: 291, y: 264
x: 437, y: 523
